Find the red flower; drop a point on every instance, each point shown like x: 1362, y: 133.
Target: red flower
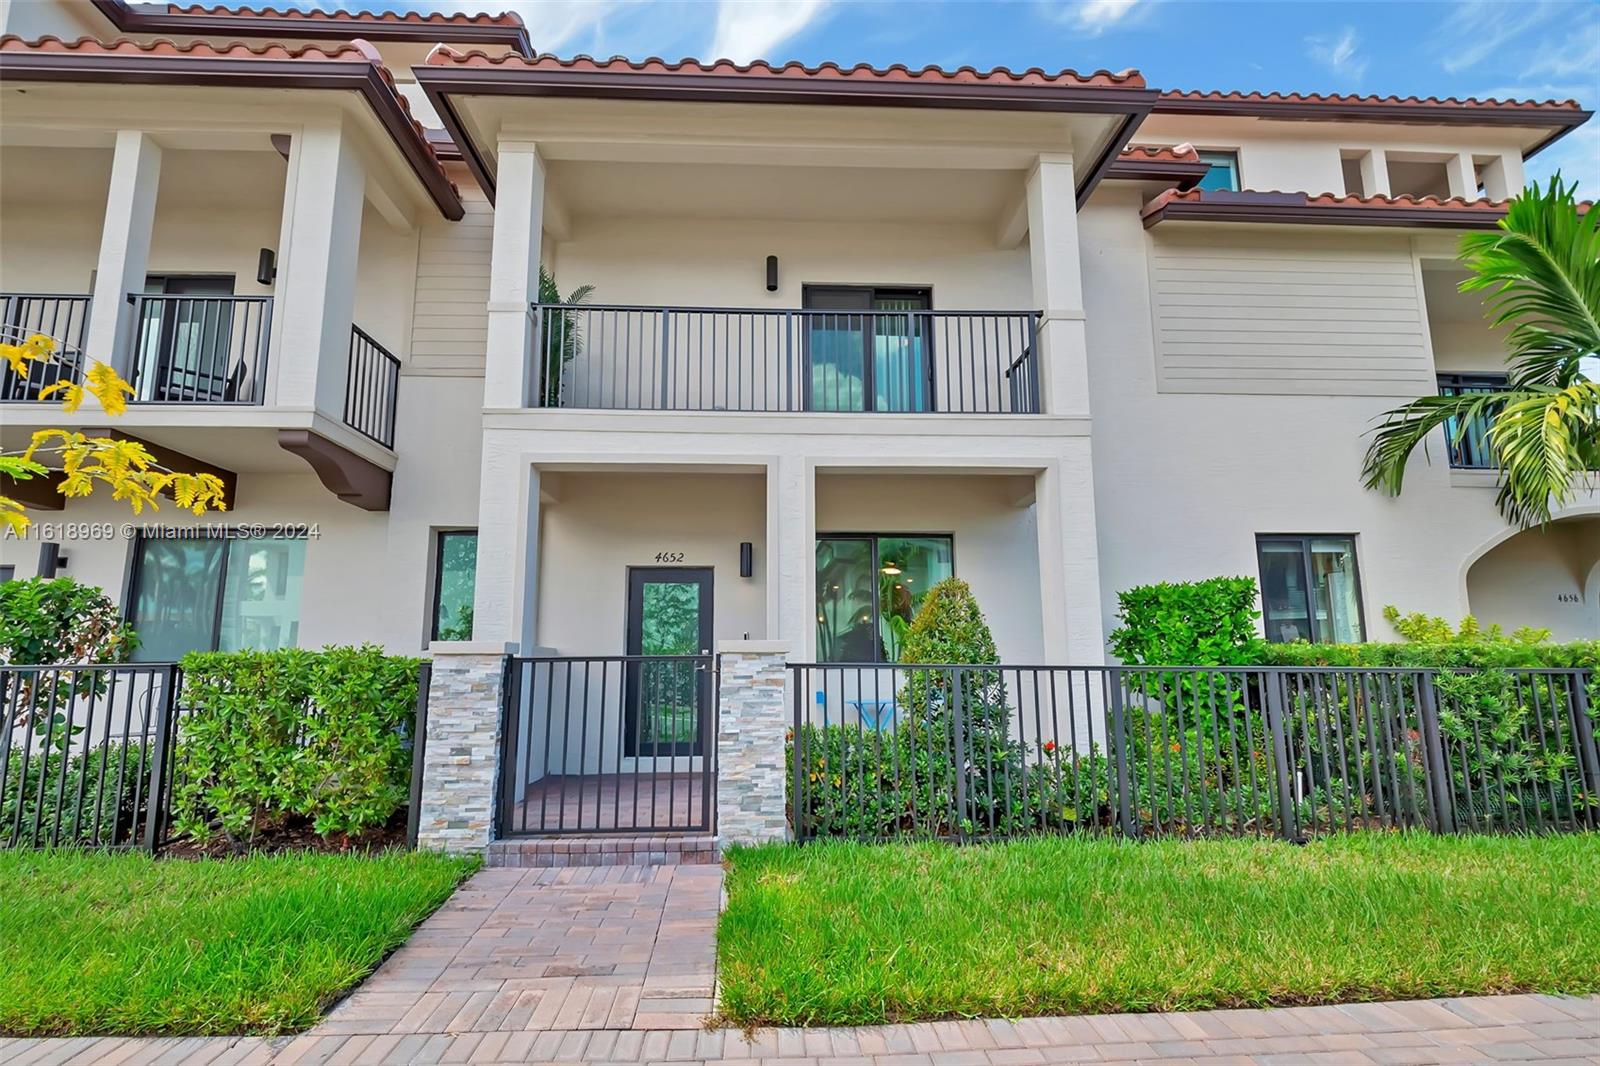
x: 1049, y: 746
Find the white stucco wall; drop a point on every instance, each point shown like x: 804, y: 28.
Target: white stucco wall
x: 1184, y: 483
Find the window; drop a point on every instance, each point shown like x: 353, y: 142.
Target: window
x: 869, y: 587
x: 216, y: 594
x: 1224, y: 172
x: 1471, y: 452
x: 867, y: 348
x: 455, y: 572
x: 1310, y: 589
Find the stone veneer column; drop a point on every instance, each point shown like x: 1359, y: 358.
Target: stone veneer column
x: 463, y: 747
x: 753, y: 717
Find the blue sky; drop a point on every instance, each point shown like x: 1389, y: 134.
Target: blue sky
x: 1533, y: 49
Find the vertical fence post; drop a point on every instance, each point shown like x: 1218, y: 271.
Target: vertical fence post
x: 1276, y: 689
x: 1119, y: 741
x: 505, y: 789
x: 1436, y: 762
x: 666, y: 356
x: 958, y: 753
x: 419, y: 746
x: 1588, y: 749
x: 156, y: 799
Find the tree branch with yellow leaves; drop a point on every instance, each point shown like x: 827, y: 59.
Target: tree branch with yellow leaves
x: 86, y: 461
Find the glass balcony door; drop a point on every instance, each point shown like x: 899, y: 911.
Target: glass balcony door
x: 185, y: 345
x: 867, y: 349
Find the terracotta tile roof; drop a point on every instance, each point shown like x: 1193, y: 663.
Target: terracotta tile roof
x: 356, y: 50
x: 416, y: 18
x: 1224, y: 205
x: 897, y: 72
x: 1344, y: 103
x: 390, y: 105
x: 1160, y: 153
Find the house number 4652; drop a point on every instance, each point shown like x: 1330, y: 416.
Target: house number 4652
x: 669, y: 557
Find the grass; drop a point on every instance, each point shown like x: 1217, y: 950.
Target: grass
x: 96, y: 943
x: 847, y: 934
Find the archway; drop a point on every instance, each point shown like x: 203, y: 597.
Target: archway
x: 1541, y: 578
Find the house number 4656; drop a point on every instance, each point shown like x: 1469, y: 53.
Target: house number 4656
x: 1568, y: 597
x: 669, y: 557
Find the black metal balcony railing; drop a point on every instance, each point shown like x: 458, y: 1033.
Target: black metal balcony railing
x: 731, y: 359
x: 1471, y: 451
x: 199, y: 349
x: 64, y: 318
x: 372, y: 388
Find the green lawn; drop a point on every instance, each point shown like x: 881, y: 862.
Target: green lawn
x: 94, y: 943
x: 834, y: 933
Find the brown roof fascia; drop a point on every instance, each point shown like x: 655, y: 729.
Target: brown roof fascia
x: 361, y: 76
x: 1287, y: 208
x: 1183, y: 174
x: 440, y: 82
x: 130, y: 19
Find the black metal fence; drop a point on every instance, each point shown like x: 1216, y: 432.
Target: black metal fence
x: 764, y: 360
x: 882, y: 751
x: 372, y: 388
x: 85, y: 755
x: 608, y: 744
x: 64, y: 319
x: 200, y: 349
x: 88, y: 754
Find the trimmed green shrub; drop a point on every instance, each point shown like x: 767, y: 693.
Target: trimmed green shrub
x: 59, y: 620
x: 1188, y: 623
x: 84, y: 798
x: 269, y: 735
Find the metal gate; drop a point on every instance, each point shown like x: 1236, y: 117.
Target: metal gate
x: 608, y: 744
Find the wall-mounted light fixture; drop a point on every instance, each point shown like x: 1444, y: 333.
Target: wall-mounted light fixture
x: 747, y: 559
x: 266, y: 266
x: 772, y: 273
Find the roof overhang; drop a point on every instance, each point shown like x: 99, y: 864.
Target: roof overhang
x: 1179, y: 167
x: 1558, y: 118
x: 1296, y: 208
x: 314, y: 25
x: 357, y: 74
x: 451, y: 86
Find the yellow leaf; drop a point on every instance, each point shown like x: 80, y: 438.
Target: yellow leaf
x: 109, y: 388
x: 71, y: 394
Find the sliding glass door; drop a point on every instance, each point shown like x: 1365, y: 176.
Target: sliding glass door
x: 867, y: 349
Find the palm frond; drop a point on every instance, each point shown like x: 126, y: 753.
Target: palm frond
x: 1545, y: 442
x: 1400, y: 431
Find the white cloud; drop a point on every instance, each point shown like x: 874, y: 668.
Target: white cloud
x: 555, y: 24
x: 1339, y: 53
x: 1576, y: 52
x: 752, y: 29
x: 1477, y: 29
x: 1091, y: 18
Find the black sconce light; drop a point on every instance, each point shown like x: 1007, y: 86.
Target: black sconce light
x: 266, y: 267
x: 772, y: 273
x: 747, y: 559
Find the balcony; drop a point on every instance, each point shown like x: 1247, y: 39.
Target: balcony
x: 63, y: 317
x: 199, y: 349
x: 1471, y: 451
x: 887, y: 361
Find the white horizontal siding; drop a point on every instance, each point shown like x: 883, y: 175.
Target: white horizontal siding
x: 1287, y: 314
x: 449, y: 325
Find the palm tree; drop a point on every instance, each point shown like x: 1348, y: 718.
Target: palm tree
x: 560, y: 332
x: 1541, y: 270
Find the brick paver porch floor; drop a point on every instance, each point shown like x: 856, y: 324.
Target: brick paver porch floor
x: 616, y: 965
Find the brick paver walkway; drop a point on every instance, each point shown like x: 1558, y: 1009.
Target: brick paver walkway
x: 616, y: 964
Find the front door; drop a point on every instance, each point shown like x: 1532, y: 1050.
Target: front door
x: 669, y: 686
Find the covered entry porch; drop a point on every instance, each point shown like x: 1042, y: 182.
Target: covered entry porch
x: 636, y: 574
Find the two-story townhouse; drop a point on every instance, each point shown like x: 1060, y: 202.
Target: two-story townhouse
x: 847, y: 331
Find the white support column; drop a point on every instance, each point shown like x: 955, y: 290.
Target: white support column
x: 505, y: 600
x: 1502, y: 177
x: 509, y: 373
x: 315, y: 294
x: 792, y: 554
x: 124, y: 246
x: 1375, y: 173
x: 1069, y: 560
x: 1058, y: 286
x: 1463, y: 176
